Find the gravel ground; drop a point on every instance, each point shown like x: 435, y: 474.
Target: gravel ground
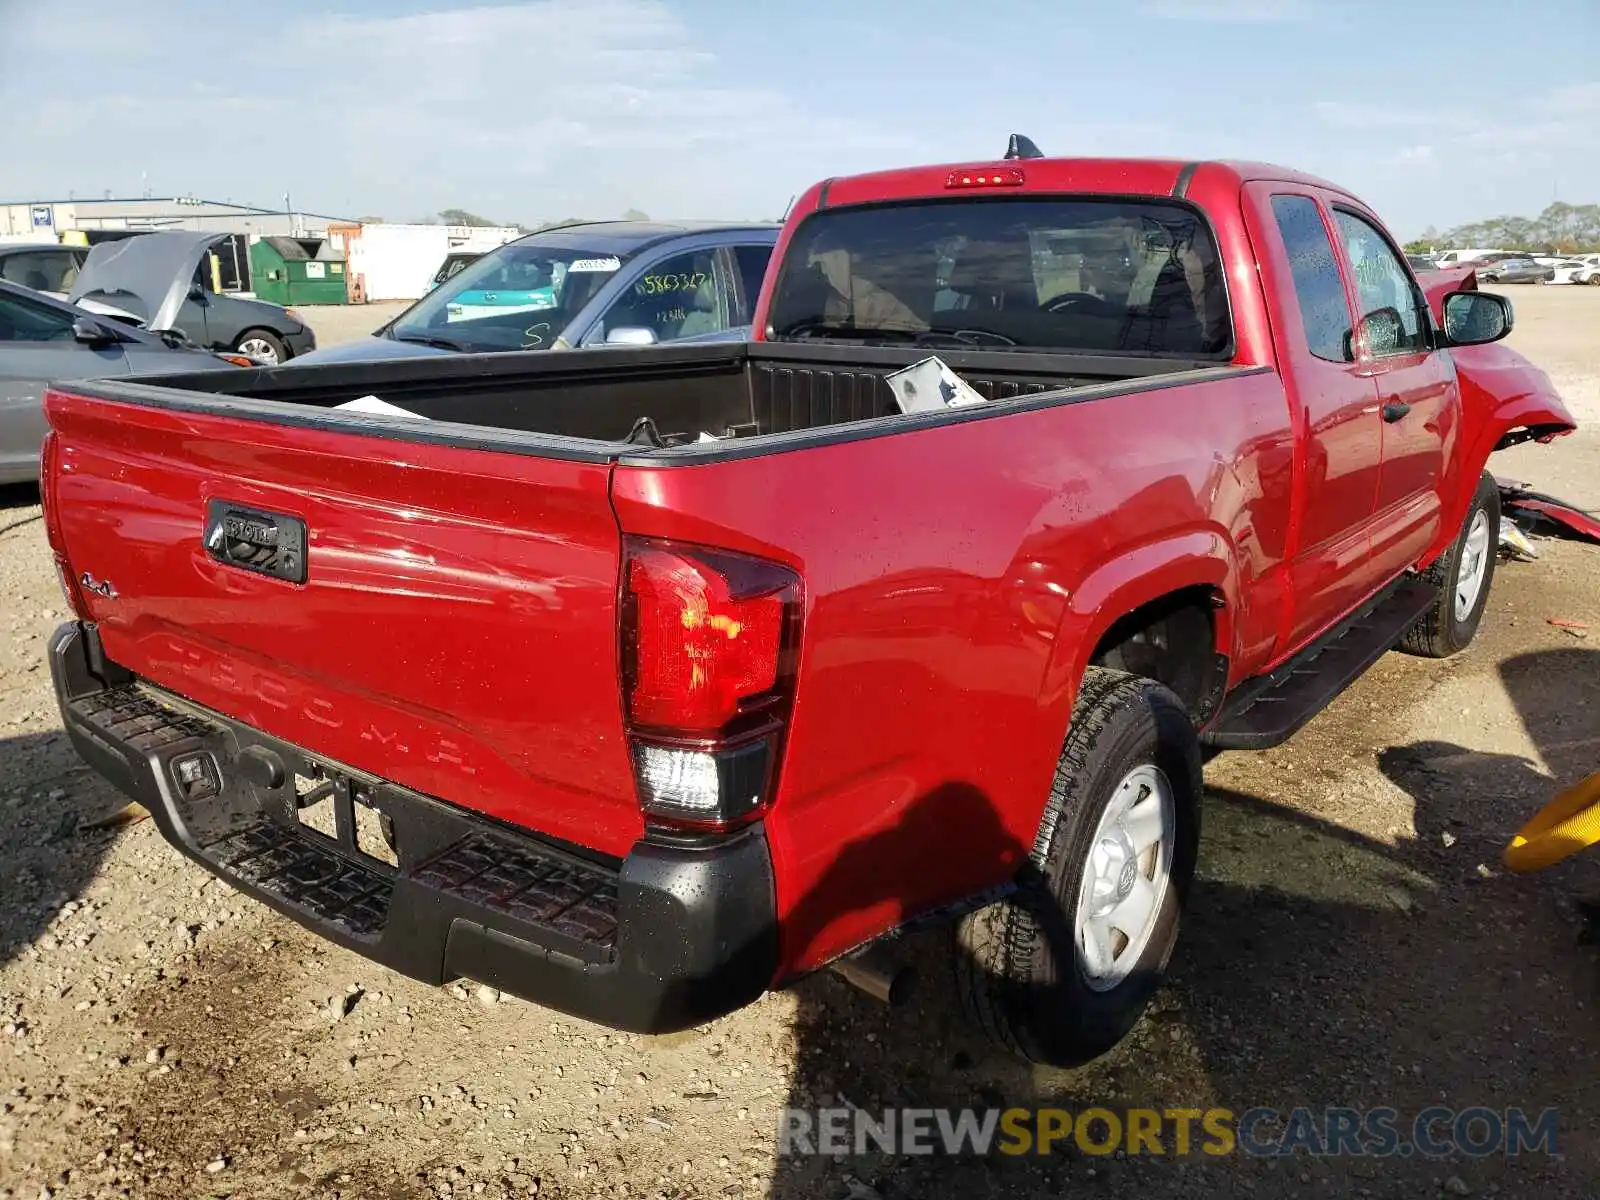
x: 1353, y: 942
x: 335, y: 323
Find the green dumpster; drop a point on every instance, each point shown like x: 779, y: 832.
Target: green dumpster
x: 286, y: 270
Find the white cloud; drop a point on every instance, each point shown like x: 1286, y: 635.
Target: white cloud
x: 1560, y: 119
x: 590, y: 105
x: 1233, y: 12
x: 1413, y: 155
x: 1355, y: 114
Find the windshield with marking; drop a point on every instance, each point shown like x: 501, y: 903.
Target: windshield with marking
x: 519, y: 297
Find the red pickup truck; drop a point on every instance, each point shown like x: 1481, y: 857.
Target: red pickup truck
x: 638, y: 682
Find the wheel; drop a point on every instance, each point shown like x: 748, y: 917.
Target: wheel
x: 1060, y: 971
x: 1593, y: 280
x: 1462, y: 574
x: 262, y: 344
x: 1487, y: 278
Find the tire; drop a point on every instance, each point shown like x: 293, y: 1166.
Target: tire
x: 270, y: 345
x: 1448, y: 627
x: 1593, y: 280
x: 1489, y: 278
x: 1023, y: 975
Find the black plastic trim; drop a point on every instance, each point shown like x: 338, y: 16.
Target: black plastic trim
x: 667, y: 938
x: 1269, y: 709
x: 822, y: 194
x: 1180, y: 187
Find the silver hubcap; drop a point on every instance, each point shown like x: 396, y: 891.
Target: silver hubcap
x: 256, y: 348
x: 1474, y: 565
x: 1125, y: 879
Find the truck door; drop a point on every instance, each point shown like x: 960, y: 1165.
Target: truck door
x: 1333, y: 404
x: 1417, y: 394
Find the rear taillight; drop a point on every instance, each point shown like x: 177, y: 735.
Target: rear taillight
x: 49, y: 459
x: 710, y: 641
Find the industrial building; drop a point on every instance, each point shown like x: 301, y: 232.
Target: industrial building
x: 98, y: 220
x: 385, y: 261
x: 48, y: 219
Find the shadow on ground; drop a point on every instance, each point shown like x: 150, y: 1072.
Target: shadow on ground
x: 15, y: 500
x: 49, y: 849
x: 1318, y: 968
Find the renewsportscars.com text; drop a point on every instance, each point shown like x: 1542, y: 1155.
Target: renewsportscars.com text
x: 1437, y: 1132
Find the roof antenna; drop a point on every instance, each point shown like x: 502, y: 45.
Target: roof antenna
x: 1022, y: 147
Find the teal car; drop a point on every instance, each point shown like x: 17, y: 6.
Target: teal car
x: 519, y: 286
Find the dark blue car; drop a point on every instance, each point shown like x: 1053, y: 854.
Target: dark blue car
x: 616, y: 283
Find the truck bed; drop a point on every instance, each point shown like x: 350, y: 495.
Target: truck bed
x: 606, y: 404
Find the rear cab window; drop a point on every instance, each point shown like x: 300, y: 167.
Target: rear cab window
x: 1089, y: 274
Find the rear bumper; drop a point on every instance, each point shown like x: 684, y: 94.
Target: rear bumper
x: 665, y: 939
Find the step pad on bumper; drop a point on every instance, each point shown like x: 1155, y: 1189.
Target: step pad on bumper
x: 304, y: 869
x: 330, y: 886
x: 129, y: 715
x: 528, y: 886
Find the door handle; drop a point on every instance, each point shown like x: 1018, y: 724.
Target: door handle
x: 1393, y: 412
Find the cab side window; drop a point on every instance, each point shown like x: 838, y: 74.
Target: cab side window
x: 678, y: 297
x: 1317, y: 285
x: 1391, y: 304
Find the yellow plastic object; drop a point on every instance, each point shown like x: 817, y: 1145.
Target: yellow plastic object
x: 1569, y: 823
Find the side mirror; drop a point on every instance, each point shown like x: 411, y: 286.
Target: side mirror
x: 1476, y: 318
x: 631, y: 335
x: 196, y: 292
x: 91, y: 333
x: 1381, y: 332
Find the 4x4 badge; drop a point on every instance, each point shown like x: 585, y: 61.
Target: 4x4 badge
x: 98, y: 587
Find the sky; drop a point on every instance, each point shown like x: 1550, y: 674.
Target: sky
x: 1436, y: 113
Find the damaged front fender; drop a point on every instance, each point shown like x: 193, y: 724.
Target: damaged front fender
x: 1505, y: 399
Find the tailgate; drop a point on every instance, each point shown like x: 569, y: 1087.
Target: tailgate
x: 446, y: 616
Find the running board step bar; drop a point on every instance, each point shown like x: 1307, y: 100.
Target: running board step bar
x: 1270, y: 709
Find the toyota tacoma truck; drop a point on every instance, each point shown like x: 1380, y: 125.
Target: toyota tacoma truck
x: 639, y: 682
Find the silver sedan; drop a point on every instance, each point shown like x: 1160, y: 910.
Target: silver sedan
x: 43, y: 340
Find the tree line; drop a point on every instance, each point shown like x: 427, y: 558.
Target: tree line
x: 1559, y: 229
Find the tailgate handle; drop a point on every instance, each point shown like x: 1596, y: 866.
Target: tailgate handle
x: 269, y: 544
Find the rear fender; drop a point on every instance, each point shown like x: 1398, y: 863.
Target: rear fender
x: 1197, y: 558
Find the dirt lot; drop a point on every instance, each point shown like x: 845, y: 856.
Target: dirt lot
x: 343, y: 323
x: 1353, y: 942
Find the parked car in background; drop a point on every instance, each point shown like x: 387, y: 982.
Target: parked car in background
x: 161, y: 279
x: 47, y: 267
x: 1583, y: 268
x: 453, y: 264
x: 1514, y: 270
x: 617, y: 283
x: 1460, y: 258
x: 1421, y: 262
x: 43, y: 340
